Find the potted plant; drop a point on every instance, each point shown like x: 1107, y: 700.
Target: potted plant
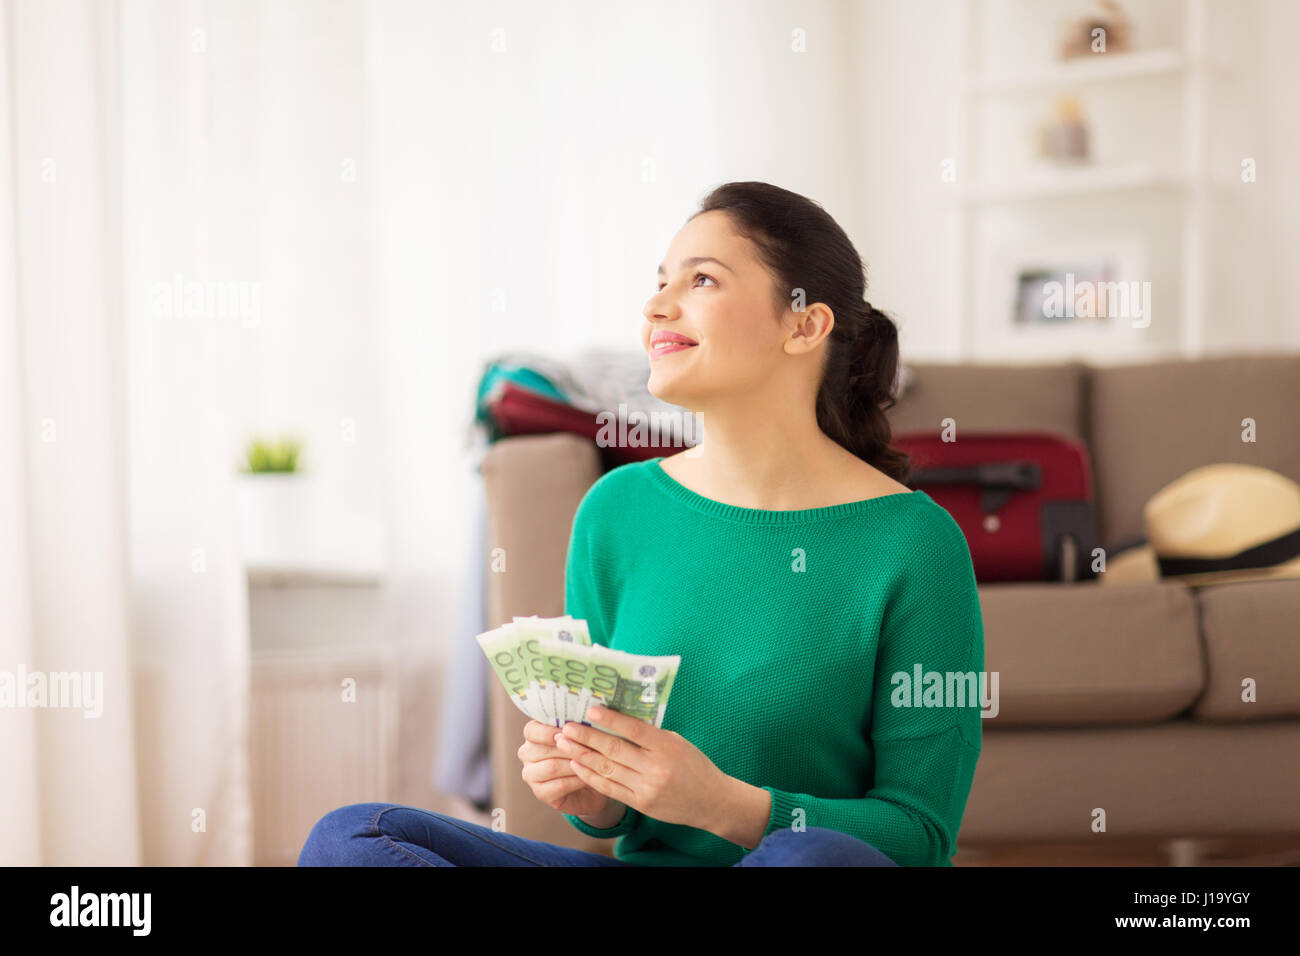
x: 278, y: 515
x: 272, y: 457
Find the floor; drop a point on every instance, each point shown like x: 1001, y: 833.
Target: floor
x: 1237, y: 851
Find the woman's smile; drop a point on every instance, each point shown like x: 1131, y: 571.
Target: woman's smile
x: 662, y: 342
x: 666, y: 348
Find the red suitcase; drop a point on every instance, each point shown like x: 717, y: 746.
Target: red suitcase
x: 1023, y: 499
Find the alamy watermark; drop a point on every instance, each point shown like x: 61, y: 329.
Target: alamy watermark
x: 127, y: 910
x: 636, y: 429
x: 209, y: 300
x: 922, y: 688
x: 61, y: 689
x: 1090, y: 300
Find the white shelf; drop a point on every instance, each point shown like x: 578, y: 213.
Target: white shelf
x: 1095, y: 68
x: 1002, y: 87
x: 1050, y: 182
x: 306, y: 572
x: 350, y: 550
x: 292, y: 529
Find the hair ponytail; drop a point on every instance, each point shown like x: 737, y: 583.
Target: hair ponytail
x: 858, y: 421
x: 804, y: 248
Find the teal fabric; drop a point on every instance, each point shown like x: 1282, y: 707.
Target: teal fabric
x: 496, y: 374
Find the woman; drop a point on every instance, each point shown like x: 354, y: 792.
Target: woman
x: 784, y: 558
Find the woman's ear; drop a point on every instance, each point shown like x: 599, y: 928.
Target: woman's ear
x: 811, y: 327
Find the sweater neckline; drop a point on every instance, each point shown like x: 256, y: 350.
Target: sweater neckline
x: 675, y: 489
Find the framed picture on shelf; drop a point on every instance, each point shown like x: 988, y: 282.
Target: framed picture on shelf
x: 1050, y: 299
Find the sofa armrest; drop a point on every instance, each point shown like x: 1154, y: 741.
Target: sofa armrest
x: 533, y: 485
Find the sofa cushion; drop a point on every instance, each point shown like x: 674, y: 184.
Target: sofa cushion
x: 1249, y: 629
x: 1177, y: 779
x: 1149, y: 424
x: 1008, y: 397
x: 1081, y: 654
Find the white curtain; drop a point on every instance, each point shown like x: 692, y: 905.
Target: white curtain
x: 71, y: 792
x: 117, y: 559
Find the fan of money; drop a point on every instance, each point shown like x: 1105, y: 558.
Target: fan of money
x: 552, y: 672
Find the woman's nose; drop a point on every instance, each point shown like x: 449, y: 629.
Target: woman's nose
x: 657, y: 307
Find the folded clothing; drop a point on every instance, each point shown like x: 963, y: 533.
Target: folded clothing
x: 530, y: 393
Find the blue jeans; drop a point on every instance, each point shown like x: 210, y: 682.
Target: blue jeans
x: 388, y: 834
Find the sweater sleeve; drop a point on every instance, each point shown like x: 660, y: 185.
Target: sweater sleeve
x: 925, y: 756
x: 581, y: 599
x: 623, y: 826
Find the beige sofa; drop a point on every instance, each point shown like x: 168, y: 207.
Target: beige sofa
x: 1120, y: 697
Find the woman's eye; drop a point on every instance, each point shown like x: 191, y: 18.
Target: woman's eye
x: 698, y: 275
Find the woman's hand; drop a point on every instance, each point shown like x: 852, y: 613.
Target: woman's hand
x: 547, y: 772
x: 656, y: 771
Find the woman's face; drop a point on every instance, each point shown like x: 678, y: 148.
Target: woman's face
x: 724, y: 303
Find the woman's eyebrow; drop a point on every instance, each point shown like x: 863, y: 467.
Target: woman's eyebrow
x: 695, y: 261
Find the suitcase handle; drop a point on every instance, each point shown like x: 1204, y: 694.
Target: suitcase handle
x: 997, y: 480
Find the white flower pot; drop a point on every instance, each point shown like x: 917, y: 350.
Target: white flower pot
x: 280, y: 519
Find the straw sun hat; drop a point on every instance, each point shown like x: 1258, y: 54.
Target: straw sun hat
x: 1218, y: 523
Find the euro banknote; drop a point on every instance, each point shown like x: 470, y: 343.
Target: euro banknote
x: 552, y: 672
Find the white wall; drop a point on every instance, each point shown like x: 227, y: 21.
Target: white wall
x: 908, y: 94
x: 1255, y: 305
x: 902, y: 217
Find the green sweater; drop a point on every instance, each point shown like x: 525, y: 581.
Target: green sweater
x: 792, y: 627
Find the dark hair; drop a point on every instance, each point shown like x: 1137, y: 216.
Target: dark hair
x: 804, y: 248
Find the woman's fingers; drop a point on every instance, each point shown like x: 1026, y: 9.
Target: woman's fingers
x: 530, y: 751
x: 616, y: 749
x: 595, y: 762
x: 540, y: 771
x: 550, y: 775
x: 559, y: 787
x: 569, y: 795
x: 540, y: 733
